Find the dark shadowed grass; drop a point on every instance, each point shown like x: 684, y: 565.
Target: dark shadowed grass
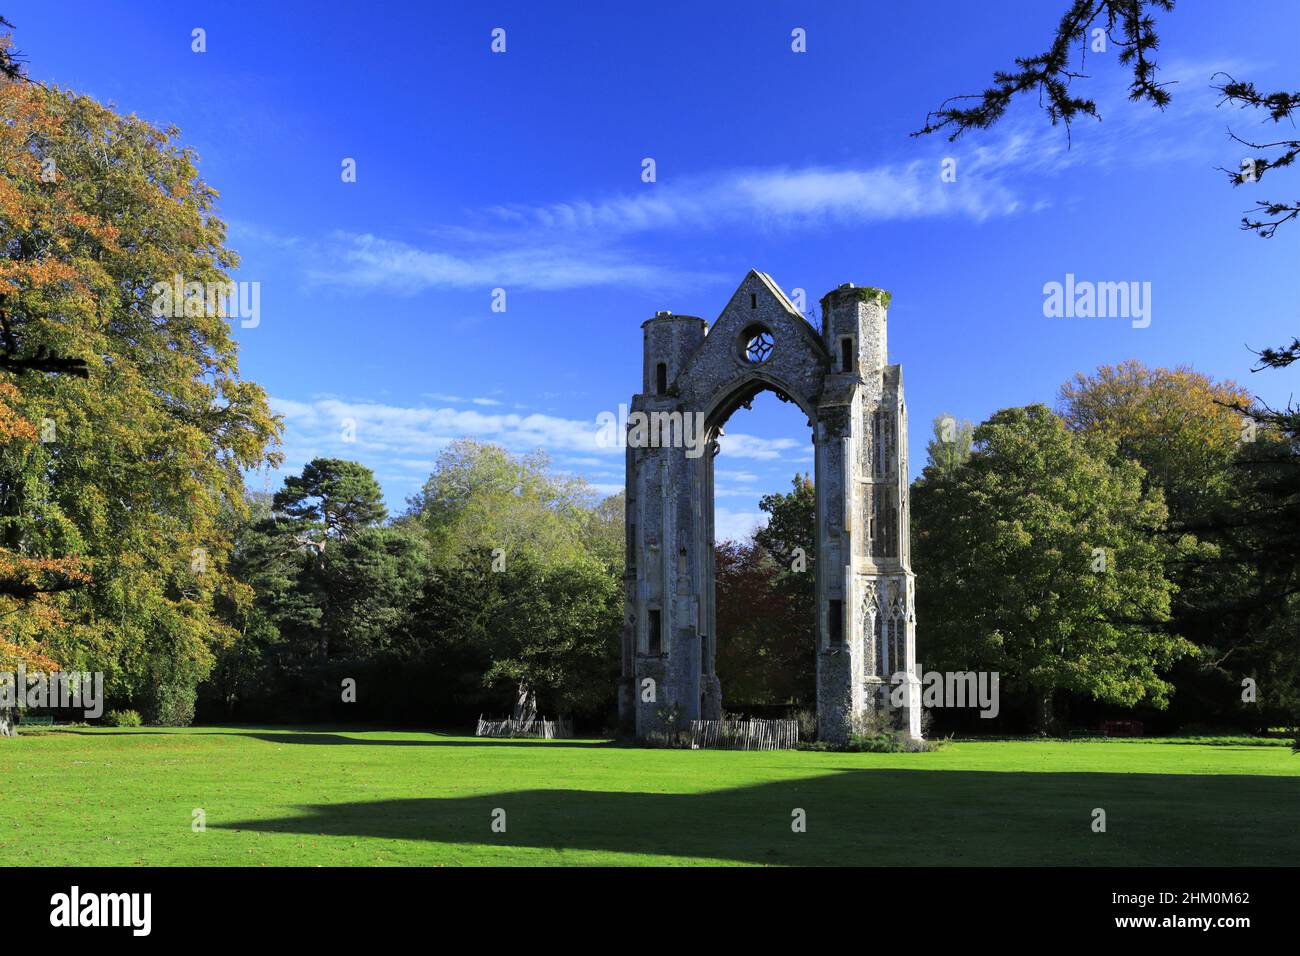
x: 337, y: 797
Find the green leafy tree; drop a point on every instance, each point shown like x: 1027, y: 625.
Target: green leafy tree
x: 555, y: 629
x: 1011, y: 550
x: 481, y: 496
x: 373, y: 578
x: 330, y: 573
x: 453, y: 628
x: 603, y: 532
x: 1257, y: 535
x: 791, y: 529
x: 950, y: 446
x: 1263, y: 515
x: 1223, y: 479
x: 512, y: 544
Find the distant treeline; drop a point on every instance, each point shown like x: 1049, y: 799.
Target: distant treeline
x: 1133, y: 551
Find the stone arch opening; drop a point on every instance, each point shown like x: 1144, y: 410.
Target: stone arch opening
x: 762, y: 621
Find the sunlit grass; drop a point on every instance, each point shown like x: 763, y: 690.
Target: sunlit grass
x: 276, y: 796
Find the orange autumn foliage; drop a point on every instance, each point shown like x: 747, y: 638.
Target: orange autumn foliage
x: 30, y: 656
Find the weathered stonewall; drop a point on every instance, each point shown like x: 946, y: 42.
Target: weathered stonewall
x: 865, y: 586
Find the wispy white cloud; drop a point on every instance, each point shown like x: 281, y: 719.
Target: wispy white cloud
x: 786, y: 197
x: 401, y: 443
x: 457, y: 399
x: 589, y: 241
x: 396, y: 429
x: 372, y: 262
x: 729, y: 525
x: 751, y: 446
x: 730, y: 474
x: 749, y: 493
x: 584, y: 241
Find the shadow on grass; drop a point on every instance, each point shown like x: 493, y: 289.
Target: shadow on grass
x: 864, y: 818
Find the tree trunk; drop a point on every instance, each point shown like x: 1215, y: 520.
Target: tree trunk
x: 8, y: 722
x: 1045, y: 717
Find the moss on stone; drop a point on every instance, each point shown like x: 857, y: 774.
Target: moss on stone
x: 872, y: 294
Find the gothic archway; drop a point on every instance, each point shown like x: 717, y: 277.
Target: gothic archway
x: 694, y: 377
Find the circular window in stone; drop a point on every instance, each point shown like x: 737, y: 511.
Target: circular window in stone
x: 756, y: 344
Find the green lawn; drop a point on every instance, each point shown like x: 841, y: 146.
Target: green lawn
x: 275, y: 796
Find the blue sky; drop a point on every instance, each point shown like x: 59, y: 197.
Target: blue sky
x: 522, y: 170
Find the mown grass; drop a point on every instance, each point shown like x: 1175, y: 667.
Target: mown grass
x: 314, y: 796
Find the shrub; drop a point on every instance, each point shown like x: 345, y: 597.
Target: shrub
x: 874, y: 732
x: 807, y: 719
x: 172, y: 704
x: 884, y: 742
x: 816, y: 746
x: 672, y: 731
x: 122, y: 718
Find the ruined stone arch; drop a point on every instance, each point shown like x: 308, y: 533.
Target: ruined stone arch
x: 694, y: 377
x: 720, y: 407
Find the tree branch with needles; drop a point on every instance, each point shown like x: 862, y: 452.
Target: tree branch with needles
x: 1128, y: 25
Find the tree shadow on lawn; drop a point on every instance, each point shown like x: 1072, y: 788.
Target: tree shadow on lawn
x: 865, y: 818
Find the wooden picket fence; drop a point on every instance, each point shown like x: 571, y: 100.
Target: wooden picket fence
x: 745, y: 734
x: 544, y: 729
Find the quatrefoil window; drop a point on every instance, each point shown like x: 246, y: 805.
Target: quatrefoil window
x: 758, y: 345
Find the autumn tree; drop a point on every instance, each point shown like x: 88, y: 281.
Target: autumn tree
x: 29, y: 580
x: 1220, y: 475
x: 1178, y: 424
x: 144, y: 426
x: 766, y: 639
x: 1269, y: 473
x: 12, y: 657
x: 1042, y: 561
x: 30, y: 571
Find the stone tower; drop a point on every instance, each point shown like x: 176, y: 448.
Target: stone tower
x: 694, y: 377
